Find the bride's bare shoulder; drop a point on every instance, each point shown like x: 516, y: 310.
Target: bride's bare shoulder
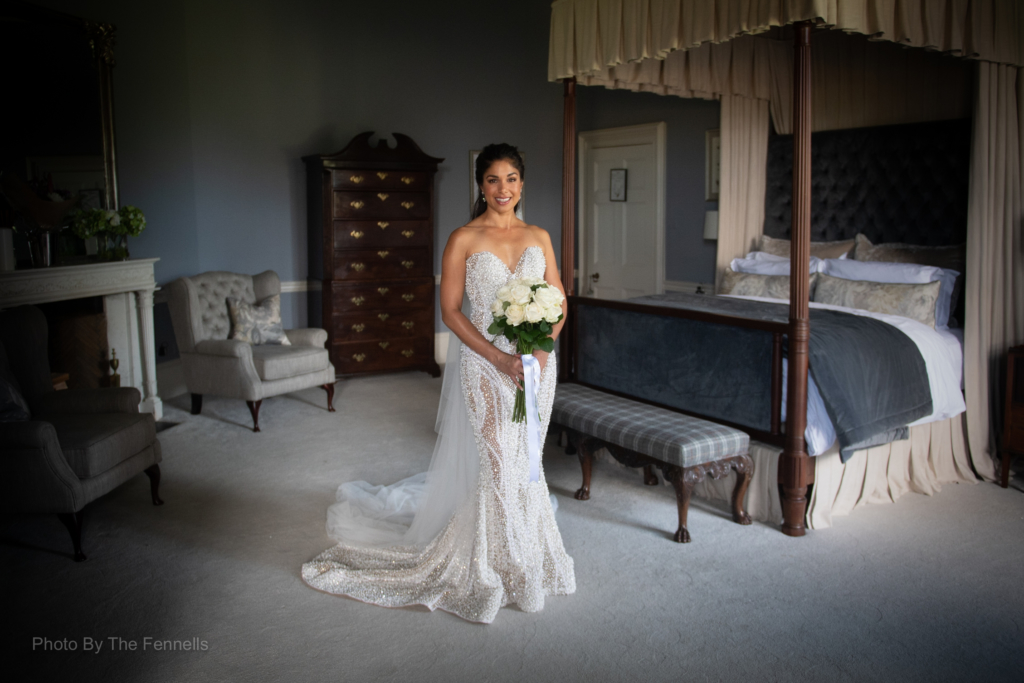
x: 540, y: 234
x: 462, y: 238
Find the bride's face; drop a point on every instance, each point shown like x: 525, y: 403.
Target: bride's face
x: 502, y: 186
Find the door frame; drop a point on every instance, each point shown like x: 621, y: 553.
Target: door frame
x: 647, y: 133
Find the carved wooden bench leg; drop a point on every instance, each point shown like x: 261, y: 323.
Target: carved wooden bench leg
x: 744, y: 466
x: 329, y: 388
x: 684, y: 487
x: 650, y: 478
x: 586, y: 456
x: 254, y: 410
x: 153, y: 472
x: 73, y: 522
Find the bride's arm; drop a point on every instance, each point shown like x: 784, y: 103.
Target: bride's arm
x: 552, y: 278
x: 453, y: 285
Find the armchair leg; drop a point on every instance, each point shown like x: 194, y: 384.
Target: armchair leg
x: 197, y: 404
x: 329, y: 388
x: 153, y: 472
x: 73, y: 522
x: 254, y: 408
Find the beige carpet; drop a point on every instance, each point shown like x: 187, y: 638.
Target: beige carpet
x: 928, y: 589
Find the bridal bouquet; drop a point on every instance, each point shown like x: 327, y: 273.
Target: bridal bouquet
x: 524, y: 311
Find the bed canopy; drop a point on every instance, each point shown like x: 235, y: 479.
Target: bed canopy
x: 757, y: 57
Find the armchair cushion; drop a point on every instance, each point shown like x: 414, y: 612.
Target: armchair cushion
x: 224, y: 347
x: 281, y: 362
x: 257, y: 323
x: 93, y: 444
x: 307, y: 336
x: 86, y: 401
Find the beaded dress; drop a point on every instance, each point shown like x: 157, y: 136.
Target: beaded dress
x: 501, y: 545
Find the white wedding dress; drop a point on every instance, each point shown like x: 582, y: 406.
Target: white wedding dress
x: 473, y: 533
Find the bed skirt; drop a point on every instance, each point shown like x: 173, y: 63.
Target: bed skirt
x: 935, y: 454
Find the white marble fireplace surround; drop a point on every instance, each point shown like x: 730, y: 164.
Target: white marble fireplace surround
x: 127, y: 289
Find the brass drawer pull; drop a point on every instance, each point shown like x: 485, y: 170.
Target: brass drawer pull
x: 382, y: 175
x: 408, y: 324
x: 356, y: 205
x: 383, y: 253
x: 408, y: 205
x: 407, y: 234
x: 357, y: 234
x: 383, y: 290
x: 408, y: 353
x: 359, y: 357
x: 382, y: 224
x: 383, y: 196
x: 358, y: 267
x: 358, y: 300
x: 358, y: 327
x: 408, y: 264
x: 383, y: 316
x: 385, y: 345
x: 355, y: 179
x: 408, y: 179
x: 408, y: 297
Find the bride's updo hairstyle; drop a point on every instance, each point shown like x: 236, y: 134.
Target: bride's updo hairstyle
x: 488, y: 155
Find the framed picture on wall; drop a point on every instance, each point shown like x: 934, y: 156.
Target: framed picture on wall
x: 474, y: 189
x: 712, y: 164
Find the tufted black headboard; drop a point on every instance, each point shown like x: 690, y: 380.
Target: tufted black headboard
x: 904, y: 183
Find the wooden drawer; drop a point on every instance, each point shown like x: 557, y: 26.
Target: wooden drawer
x: 388, y: 296
x: 374, y: 325
x: 377, y: 205
x: 357, y: 234
x: 351, y: 358
x: 382, y: 264
x: 380, y: 180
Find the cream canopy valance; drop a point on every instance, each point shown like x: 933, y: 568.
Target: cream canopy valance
x: 593, y: 39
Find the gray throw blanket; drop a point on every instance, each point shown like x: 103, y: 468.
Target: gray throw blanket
x: 871, y: 376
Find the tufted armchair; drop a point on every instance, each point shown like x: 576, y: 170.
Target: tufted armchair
x: 214, y: 364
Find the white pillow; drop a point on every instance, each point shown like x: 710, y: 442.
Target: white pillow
x: 898, y: 273
x: 772, y: 265
x: 765, y: 256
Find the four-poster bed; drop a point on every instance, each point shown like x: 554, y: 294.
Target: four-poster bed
x: 705, y: 50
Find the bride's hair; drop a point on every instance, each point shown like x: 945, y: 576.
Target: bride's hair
x: 488, y: 155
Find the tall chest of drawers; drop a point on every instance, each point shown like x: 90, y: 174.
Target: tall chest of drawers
x: 371, y: 234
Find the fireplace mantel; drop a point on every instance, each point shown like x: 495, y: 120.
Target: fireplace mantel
x: 118, y: 282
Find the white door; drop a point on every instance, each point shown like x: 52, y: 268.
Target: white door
x: 622, y: 237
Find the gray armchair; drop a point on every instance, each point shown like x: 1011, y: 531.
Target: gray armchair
x: 214, y: 364
x: 77, y: 445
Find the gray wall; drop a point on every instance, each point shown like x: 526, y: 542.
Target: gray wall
x: 217, y: 101
x: 689, y: 256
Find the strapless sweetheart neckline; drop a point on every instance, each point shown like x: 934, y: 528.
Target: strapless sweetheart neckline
x: 518, y: 262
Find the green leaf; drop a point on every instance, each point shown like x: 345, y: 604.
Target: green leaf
x: 493, y: 328
x: 547, y: 344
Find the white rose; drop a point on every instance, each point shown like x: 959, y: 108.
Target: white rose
x: 514, y: 314
x: 534, y: 313
x: 532, y: 281
x: 521, y: 294
x: 505, y: 293
x: 498, y: 307
x: 551, y: 314
x: 547, y: 296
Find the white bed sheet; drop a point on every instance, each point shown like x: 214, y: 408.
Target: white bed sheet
x: 942, y: 351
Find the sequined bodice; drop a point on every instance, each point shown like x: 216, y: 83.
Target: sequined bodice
x: 486, y: 274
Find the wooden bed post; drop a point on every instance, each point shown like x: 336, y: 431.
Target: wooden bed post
x: 568, y: 215
x: 795, y: 471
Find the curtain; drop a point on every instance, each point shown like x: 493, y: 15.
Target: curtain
x: 744, y: 131
x: 994, y: 282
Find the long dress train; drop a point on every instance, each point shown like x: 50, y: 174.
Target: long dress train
x: 496, y: 541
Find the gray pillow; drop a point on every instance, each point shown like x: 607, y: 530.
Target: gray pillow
x: 822, y: 250
x: 916, y: 301
x: 951, y: 258
x: 750, y: 284
x: 257, y: 323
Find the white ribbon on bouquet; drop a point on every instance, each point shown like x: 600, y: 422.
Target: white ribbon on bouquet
x: 531, y: 383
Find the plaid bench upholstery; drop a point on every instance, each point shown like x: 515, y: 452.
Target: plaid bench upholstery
x: 662, y: 434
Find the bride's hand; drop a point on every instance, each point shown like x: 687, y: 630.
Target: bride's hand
x: 511, y: 365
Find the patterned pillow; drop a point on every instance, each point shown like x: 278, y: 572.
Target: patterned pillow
x: 257, y: 323
x: 951, y: 258
x: 821, y: 250
x: 750, y: 284
x: 914, y: 301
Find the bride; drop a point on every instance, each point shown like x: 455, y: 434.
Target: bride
x: 473, y: 533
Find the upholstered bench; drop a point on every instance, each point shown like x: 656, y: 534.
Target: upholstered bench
x: 686, y: 449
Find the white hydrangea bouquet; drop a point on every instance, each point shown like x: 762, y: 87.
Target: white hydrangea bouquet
x: 524, y: 311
